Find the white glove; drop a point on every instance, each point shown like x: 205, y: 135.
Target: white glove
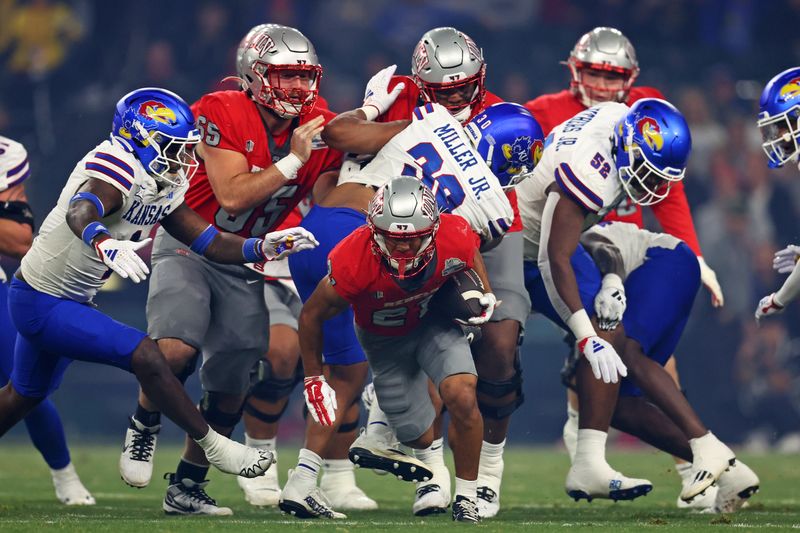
x: 377, y: 94
x: 279, y: 244
x: 768, y: 306
x: 489, y: 301
x: 610, y: 302
x: 785, y: 259
x: 121, y: 257
x: 603, y: 358
x: 709, y: 279
x: 320, y: 400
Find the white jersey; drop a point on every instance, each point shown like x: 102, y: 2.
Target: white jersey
x: 577, y: 157
x: 14, y: 167
x: 631, y: 241
x: 435, y: 149
x: 60, y: 263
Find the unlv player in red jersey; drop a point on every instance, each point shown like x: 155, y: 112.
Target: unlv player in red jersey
x: 448, y: 68
x: 603, y: 67
x: 260, y: 155
x: 388, y: 271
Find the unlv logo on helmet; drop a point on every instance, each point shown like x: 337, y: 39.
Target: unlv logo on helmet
x: 263, y: 44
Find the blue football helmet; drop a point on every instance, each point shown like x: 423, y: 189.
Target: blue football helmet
x: 509, y: 139
x: 651, y: 146
x: 158, y: 127
x: 779, y: 117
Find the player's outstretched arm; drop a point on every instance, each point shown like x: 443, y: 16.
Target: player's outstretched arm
x: 776, y: 302
x: 221, y: 247
x: 610, y: 302
x: 324, y: 303
x: 16, y: 222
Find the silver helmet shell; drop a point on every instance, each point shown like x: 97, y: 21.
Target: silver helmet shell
x: 449, y: 69
x: 269, y: 50
x: 602, y: 49
x: 404, y: 208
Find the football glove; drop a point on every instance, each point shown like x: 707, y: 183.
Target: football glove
x: 610, y: 302
x: 320, y: 400
x: 489, y: 302
x: 709, y: 279
x: 785, y: 259
x: 121, y: 257
x: 603, y: 358
x: 768, y: 306
x: 279, y: 244
x: 377, y: 94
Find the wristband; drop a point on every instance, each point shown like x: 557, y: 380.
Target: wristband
x: 203, y: 241
x: 252, y: 250
x: 92, y: 230
x: 101, y: 212
x: 580, y: 325
x: 371, y: 111
x: 289, y: 165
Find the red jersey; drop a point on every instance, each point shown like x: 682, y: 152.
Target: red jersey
x: 230, y: 120
x: 380, y: 305
x: 672, y: 213
x: 410, y: 98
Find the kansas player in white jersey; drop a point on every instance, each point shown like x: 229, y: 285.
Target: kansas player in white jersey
x: 590, y: 162
x: 113, y: 198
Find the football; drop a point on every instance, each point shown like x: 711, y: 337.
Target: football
x: 459, y: 297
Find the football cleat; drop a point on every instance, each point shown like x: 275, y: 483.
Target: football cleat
x: 735, y: 487
x: 377, y: 451
x: 433, y: 496
x: 489, y: 480
x: 306, y: 503
x: 69, y: 489
x: 262, y: 491
x: 340, y: 489
x: 711, y: 459
x: 233, y: 457
x: 187, y: 497
x: 702, y: 503
x: 136, y: 459
x: 465, y: 510
x: 603, y: 482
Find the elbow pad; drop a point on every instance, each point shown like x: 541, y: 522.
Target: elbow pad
x: 19, y: 212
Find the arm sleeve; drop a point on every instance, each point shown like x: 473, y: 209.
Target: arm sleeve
x: 676, y: 219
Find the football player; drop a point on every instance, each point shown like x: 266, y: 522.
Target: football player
x: 604, y: 68
x: 114, y: 196
x: 388, y: 271
x: 16, y: 235
x: 258, y: 159
x: 779, y: 112
x: 592, y: 162
x: 448, y: 69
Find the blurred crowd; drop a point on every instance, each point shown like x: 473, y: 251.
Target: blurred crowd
x: 63, y: 64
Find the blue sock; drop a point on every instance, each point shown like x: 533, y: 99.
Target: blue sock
x: 47, y: 433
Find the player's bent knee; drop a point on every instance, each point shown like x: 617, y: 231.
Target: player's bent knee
x: 220, y: 409
x: 498, y: 399
x: 147, y: 357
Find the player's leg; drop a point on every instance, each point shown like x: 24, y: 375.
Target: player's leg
x: 433, y: 496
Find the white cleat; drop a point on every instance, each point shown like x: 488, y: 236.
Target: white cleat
x: 711, y: 459
x: 233, y: 457
x: 262, y: 491
x: 702, y: 503
x: 489, y: 480
x: 69, y: 489
x: 735, y: 487
x: 306, y: 503
x: 341, y: 491
x: 186, y: 497
x: 433, y: 496
x: 136, y: 459
x: 377, y: 451
x: 601, y: 481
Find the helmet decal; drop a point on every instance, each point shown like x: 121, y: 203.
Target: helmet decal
x: 651, y: 132
x: 790, y: 91
x: 158, y: 111
x: 519, y: 154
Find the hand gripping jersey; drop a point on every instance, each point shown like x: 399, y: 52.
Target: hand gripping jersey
x: 577, y: 157
x: 14, y: 167
x: 60, y: 263
x: 230, y: 120
x: 380, y: 305
x: 435, y: 149
x: 672, y: 213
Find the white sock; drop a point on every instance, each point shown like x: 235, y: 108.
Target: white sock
x: 492, y: 452
x: 62, y: 474
x: 308, y: 467
x: 336, y: 466
x: 468, y: 489
x: 433, y: 455
x: 264, y: 444
x: 699, y: 444
x: 591, y: 446
x: 377, y: 421
x: 684, y: 470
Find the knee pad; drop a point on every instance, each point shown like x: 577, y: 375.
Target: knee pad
x: 499, y: 389
x: 209, y: 408
x: 188, y: 368
x: 347, y: 427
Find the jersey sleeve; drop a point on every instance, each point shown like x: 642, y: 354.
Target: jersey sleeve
x: 14, y: 166
x: 112, y: 165
x: 217, y: 123
x: 343, y: 268
x: 582, y: 184
x: 675, y: 217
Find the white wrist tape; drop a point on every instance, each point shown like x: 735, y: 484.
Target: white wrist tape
x: 580, y: 325
x: 370, y: 111
x: 289, y: 166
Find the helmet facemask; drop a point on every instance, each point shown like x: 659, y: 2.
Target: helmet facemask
x: 643, y: 182
x: 405, y: 264
x: 780, y: 135
x: 461, y: 98
x: 280, y: 93
x: 593, y: 94
x: 174, y: 163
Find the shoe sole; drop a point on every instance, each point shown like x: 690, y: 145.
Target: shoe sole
x: 173, y: 512
x: 615, y: 495
x: 431, y: 511
x: 133, y: 485
x: 295, y: 509
x: 410, y: 470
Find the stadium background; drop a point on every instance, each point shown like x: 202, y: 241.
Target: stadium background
x: 63, y: 65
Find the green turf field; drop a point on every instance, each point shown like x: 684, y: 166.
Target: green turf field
x: 533, y: 498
